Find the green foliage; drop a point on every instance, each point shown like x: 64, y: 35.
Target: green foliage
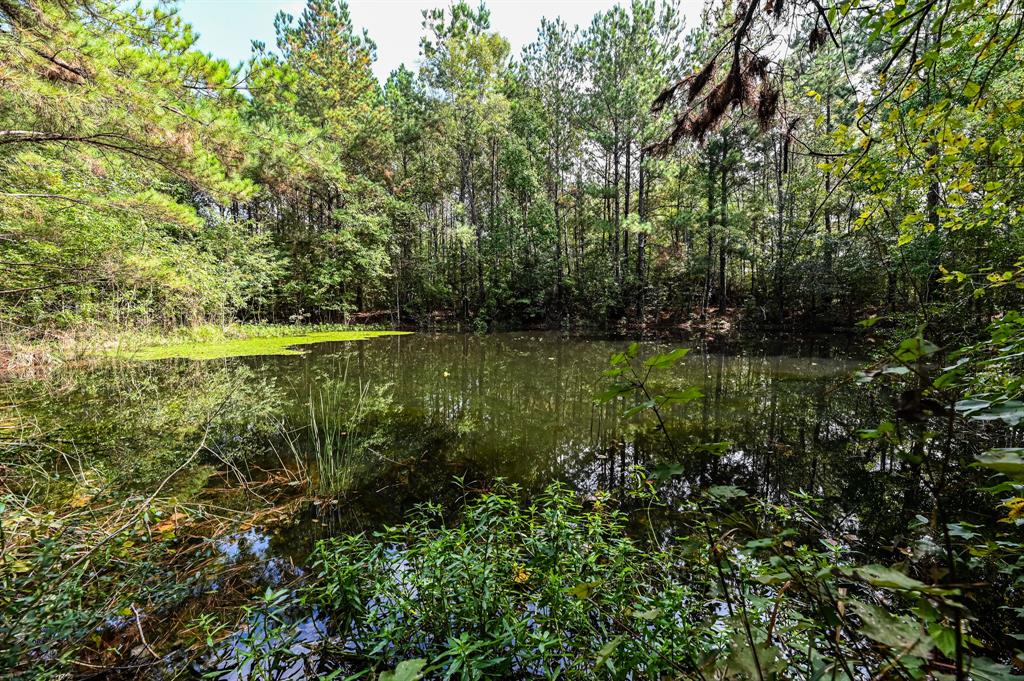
x: 343, y: 438
x: 559, y: 588
x: 142, y: 187
x: 102, y: 142
x: 550, y: 589
x: 516, y: 189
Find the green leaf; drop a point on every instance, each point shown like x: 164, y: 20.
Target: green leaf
x: 1011, y: 412
x: 716, y: 448
x: 984, y: 669
x: 771, y: 579
x: 913, y: 349
x: 971, y: 405
x: 681, y: 396
x: 944, y: 638
x: 763, y: 658
x: 885, y: 577
x: 637, y: 408
x: 961, y: 530
x: 723, y: 492
x: 666, y: 471
x: 607, y: 650
x: 896, y: 632
x: 1006, y: 460
x: 870, y: 321
x: 612, y: 392
x: 409, y: 670
x: 649, y: 615
x: 666, y: 359
x: 583, y: 590
x: 884, y: 428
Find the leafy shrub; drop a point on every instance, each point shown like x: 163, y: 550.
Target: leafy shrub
x: 560, y: 588
x: 550, y: 589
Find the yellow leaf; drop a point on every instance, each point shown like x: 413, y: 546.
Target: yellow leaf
x: 1016, y: 509
x: 168, y: 524
x: 81, y: 500
x: 583, y: 590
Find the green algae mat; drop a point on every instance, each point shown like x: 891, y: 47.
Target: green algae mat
x: 247, y: 347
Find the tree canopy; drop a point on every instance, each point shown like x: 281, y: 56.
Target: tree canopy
x: 792, y: 163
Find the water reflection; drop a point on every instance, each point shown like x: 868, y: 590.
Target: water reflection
x: 400, y: 417
x: 521, y: 406
x: 283, y: 451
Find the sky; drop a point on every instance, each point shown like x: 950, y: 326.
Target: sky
x: 227, y: 27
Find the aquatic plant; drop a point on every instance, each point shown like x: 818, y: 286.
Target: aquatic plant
x: 329, y: 449
x: 335, y: 440
x: 247, y: 347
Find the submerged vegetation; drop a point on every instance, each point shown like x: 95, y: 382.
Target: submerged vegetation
x: 733, y: 511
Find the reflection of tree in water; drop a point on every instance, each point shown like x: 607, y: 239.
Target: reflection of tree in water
x: 131, y: 424
x: 521, y: 406
x: 518, y: 406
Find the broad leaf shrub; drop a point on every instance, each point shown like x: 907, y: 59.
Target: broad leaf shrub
x: 550, y: 589
x: 564, y: 587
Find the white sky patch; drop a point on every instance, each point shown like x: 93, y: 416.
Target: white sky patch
x: 227, y: 27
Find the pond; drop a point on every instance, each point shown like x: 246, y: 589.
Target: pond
x: 351, y: 436
x: 380, y: 425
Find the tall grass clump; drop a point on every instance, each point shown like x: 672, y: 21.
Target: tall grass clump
x: 334, y: 439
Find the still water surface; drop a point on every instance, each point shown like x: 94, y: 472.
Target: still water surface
x: 395, y: 419
x: 348, y: 437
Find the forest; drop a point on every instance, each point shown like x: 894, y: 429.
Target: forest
x: 659, y: 349
x: 809, y: 169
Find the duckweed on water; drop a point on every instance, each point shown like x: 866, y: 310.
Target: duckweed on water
x: 247, y: 347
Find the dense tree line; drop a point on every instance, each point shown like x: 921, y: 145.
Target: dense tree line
x: 815, y: 163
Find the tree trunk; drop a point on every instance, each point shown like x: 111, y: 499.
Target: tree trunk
x: 723, y: 239
x: 711, y: 236
x: 615, y: 218
x: 641, y: 201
